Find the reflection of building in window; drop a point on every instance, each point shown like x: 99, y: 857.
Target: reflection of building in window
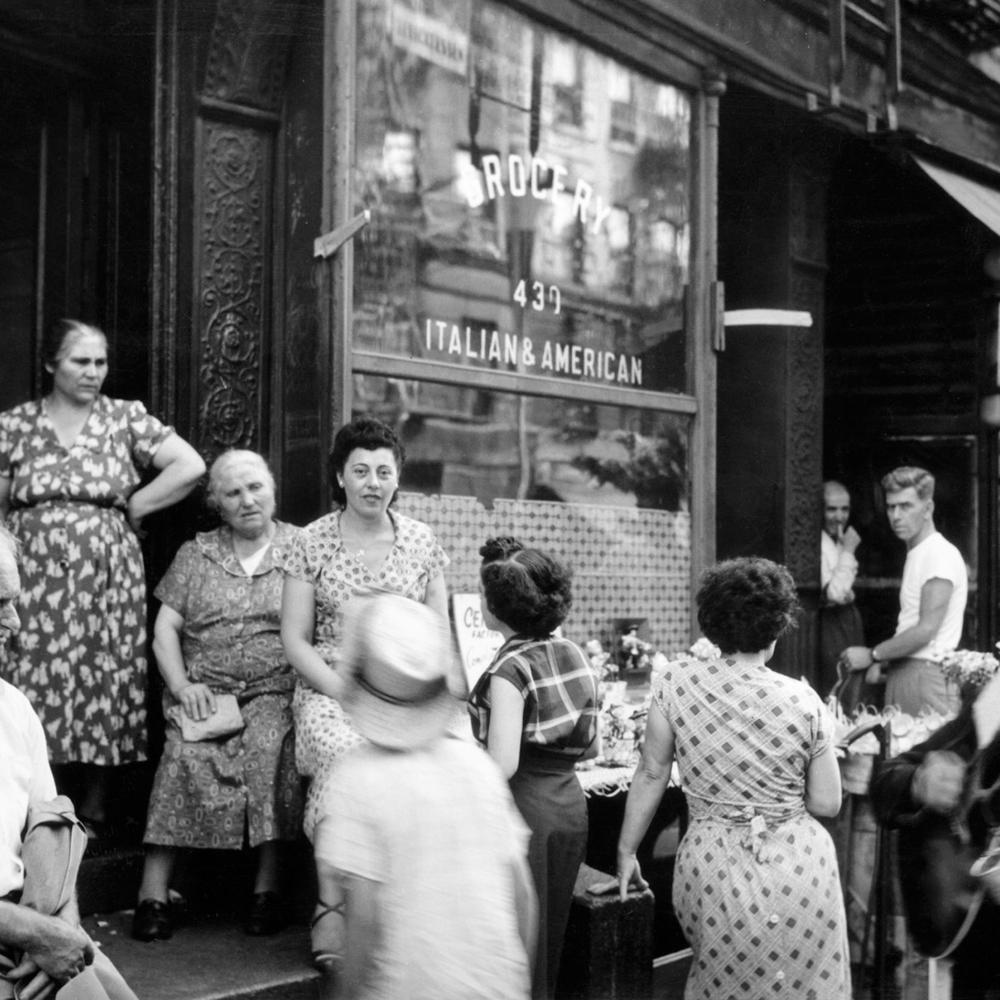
x: 661, y: 260
x: 508, y: 174
x: 623, y: 109
x: 501, y: 55
x: 560, y: 242
x: 399, y: 162
x: 609, y: 258
x: 564, y: 70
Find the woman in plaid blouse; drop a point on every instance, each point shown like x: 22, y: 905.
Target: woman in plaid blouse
x: 535, y: 709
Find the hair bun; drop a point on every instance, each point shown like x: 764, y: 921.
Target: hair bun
x: 499, y: 548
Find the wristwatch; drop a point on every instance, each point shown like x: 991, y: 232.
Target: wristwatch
x: 875, y: 657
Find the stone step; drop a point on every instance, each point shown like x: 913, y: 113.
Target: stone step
x: 209, y: 958
x: 211, y: 882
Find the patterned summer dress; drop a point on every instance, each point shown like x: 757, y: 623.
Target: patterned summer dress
x: 318, y: 556
x: 756, y: 887
x: 81, y: 654
x: 205, y: 793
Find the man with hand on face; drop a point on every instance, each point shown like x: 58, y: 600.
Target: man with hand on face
x: 39, y: 953
x: 840, y: 623
x: 932, y: 600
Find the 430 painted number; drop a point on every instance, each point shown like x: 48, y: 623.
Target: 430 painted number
x: 537, y: 295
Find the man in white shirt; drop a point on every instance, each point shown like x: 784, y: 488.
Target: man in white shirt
x: 840, y: 623
x: 931, y: 602
x: 54, y: 948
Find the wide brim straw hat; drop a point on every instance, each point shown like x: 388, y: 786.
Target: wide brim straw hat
x: 397, y: 656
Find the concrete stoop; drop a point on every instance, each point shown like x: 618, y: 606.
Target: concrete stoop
x: 209, y: 958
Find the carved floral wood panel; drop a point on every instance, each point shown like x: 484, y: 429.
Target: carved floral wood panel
x: 234, y: 169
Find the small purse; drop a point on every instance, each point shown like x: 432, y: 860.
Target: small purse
x: 224, y: 721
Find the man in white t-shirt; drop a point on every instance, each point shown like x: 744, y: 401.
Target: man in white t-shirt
x: 54, y: 948
x: 931, y: 602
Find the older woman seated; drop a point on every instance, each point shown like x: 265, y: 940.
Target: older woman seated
x: 218, y: 633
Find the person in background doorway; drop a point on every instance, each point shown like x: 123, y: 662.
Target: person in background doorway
x: 535, y: 710
x: 71, y: 464
x: 424, y: 837
x: 218, y: 631
x: 840, y: 623
x: 932, y: 600
x: 755, y: 886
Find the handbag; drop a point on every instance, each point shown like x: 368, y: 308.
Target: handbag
x: 226, y: 720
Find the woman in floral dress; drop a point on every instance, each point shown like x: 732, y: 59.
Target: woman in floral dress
x: 361, y: 546
x: 756, y: 887
x: 218, y: 632
x: 70, y: 468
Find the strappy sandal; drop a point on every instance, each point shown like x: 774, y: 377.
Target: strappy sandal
x: 326, y: 953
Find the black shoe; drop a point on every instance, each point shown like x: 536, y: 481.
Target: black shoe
x: 151, y: 921
x: 267, y: 914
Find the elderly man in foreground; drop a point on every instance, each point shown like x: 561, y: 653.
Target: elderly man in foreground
x: 39, y: 952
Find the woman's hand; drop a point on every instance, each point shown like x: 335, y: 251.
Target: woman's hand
x: 197, y: 701
x: 134, y: 518
x: 629, y: 874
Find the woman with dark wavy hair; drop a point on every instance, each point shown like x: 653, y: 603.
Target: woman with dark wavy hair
x: 535, y: 709
x: 362, y: 546
x: 756, y: 887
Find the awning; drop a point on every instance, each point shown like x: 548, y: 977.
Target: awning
x: 979, y: 199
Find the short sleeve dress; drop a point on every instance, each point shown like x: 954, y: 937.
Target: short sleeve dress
x: 318, y: 556
x: 559, y: 688
x: 205, y: 794
x: 81, y: 654
x: 756, y: 886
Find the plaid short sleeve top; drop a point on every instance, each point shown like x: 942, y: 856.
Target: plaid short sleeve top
x: 559, y: 688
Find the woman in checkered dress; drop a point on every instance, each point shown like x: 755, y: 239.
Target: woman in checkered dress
x: 756, y: 887
x: 535, y: 709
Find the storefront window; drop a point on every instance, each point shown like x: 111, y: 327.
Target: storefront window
x: 490, y: 445
x: 605, y: 487
x: 530, y: 199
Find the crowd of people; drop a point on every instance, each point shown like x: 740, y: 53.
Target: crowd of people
x: 310, y: 686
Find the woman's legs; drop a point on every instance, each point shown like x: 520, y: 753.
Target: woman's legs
x: 152, y: 920
x: 327, y: 931
x: 268, y: 913
x: 94, y: 793
x: 156, y: 872
x: 268, y: 877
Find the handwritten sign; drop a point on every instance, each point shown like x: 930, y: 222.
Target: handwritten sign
x: 476, y: 642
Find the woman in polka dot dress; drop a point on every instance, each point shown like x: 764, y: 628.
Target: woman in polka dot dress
x: 362, y: 546
x: 756, y: 887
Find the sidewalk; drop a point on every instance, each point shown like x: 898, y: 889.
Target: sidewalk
x: 209, y: 959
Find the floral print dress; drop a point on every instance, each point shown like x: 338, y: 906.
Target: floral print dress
x: 81, y: 654
x: 323, y: 732
x: 206, y: 793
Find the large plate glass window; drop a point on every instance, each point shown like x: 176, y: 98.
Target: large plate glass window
x: 519, y: 297
x: 530, y: 199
